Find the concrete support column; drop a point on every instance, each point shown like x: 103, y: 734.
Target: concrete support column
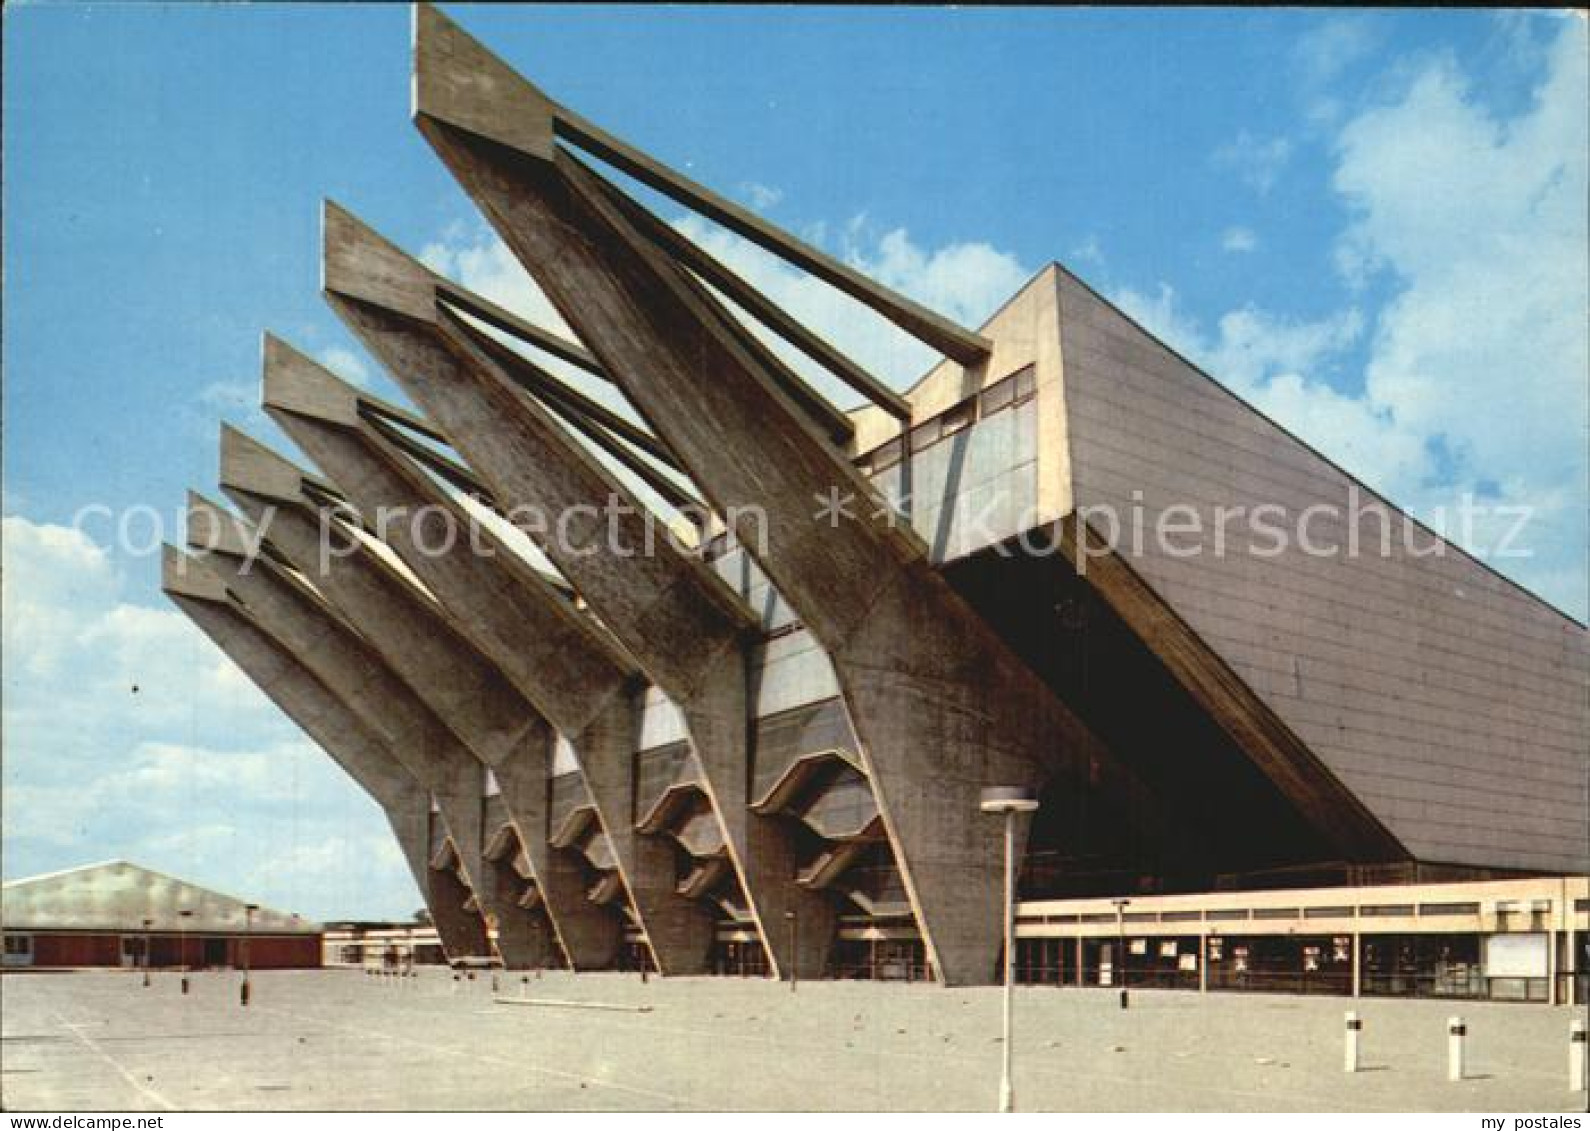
x: 525, y: 941
x: 483, y: 707
x: 591, y: 935
x: 553, y: 655
x: 1553, y: 939
x: 329, y: 647
x: 685, y: 628
x: 400, y: 623
x: 1573, y: 953
x: 942, y: 706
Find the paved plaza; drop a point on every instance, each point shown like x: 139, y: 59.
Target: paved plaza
x: 343, y: 1040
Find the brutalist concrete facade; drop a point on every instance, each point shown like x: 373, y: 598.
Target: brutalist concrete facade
x: 734, y: 706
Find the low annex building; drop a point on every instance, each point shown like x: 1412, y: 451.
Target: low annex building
x: 121, y: 915
x: 758, y: 747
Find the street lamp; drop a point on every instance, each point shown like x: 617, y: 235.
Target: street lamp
x: 248, y: 930
x: 1120, y: 933
x: 793, y: 924
x: 147, y: 924
x: 182, y: 944
x: 1009, y: 801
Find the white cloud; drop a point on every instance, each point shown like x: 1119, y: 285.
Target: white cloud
x: 1334, y: 46
x: 1482, y: 224
x: 1474, y: 381
x: 759, y: 196
x: 1088, y: 251
x: 1322, y: 57
x: 127, y: 733
x: 1257, y: 161
x: 1238, y: 240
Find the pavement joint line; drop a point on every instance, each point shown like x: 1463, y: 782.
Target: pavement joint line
x: 516, y: 1065
x: 557, y: 1003
x: 93, y: 1047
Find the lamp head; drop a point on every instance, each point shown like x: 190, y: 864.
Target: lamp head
x: 1008, y: 799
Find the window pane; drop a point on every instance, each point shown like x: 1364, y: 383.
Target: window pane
x: 958, y: 417
x: 926, y: 433
x: 998, y: 396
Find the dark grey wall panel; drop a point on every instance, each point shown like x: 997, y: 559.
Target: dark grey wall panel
x: 1452, y: 702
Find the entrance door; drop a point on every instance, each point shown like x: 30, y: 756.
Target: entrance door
x: 132, y: 950
x: 215, y: 952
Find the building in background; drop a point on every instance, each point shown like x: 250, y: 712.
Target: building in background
x: 374, y: 944
x: 121, y: 915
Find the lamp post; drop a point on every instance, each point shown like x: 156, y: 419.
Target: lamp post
x: 248, y: 931
x: 147, y: 924
x: 1120, y: 934
x: 182, y: 944
x: 793, y: 924
x: 1010, y: 801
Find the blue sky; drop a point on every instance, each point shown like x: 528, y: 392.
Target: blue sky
x: 1371, y: 224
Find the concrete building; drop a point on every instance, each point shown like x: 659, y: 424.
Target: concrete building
x: 719, y: 687
x: 382, y: 946
x: 121, y: 915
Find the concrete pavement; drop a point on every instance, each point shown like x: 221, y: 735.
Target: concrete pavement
x: 340, y: 1040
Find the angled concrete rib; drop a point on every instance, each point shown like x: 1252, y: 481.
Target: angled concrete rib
x: 480, y: 703
x: 410, y: 633
x: 292, y: 613
x: 685, y: 627
x: 943, y: 708
x: 467, y: 89
x: 338, y: 730
x: 530, y: 632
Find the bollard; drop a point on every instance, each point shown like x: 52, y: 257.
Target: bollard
x: 184, y: 982
x: 496, y: 986
x: 1577, y: 1049
x: 1355, y: 1026
x: 524, y: 986
x: 1456, y: 1033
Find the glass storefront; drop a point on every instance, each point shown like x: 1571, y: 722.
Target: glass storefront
x: 1283, y: 964
x: 881, y: 960
x: 1440, y: 966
